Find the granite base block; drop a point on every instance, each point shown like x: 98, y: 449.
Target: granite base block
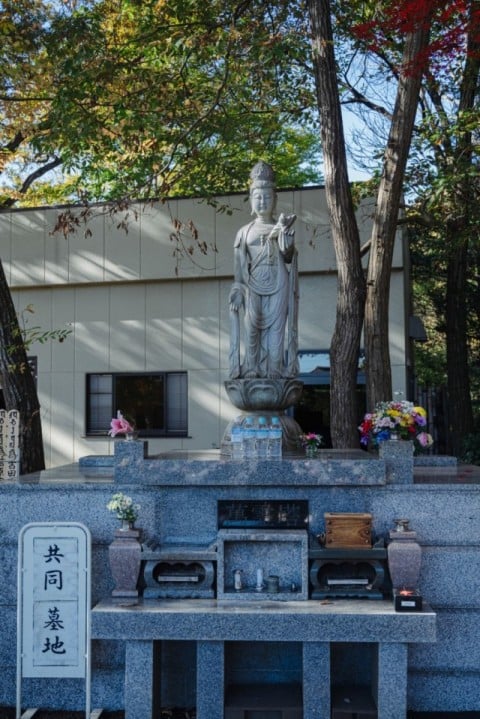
x: 132, y: 467
x: 129, y: 461
x: 444, y: 691
x: 398, y: 458
x: 459, y: 588
x: 450, y: 650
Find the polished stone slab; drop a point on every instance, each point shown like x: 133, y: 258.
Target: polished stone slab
x: 208, y: 619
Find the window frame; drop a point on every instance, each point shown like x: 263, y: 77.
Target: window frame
x: 166, y: 432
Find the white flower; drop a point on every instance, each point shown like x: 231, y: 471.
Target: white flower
x: 124, y: 507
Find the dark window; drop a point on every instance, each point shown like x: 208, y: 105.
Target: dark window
x: 155, y: 402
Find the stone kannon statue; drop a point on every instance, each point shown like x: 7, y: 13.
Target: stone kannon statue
x: 264, y: 312
x: 265, y: 287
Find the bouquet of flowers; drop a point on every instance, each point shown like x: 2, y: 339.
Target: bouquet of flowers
x: 399, y: 419
x: 119, y: 425
x: 311, y: 440
x: 123, y: 507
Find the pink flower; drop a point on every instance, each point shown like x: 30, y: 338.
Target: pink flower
x: 311, y: 438
x: 425, y: 439
x: 119, y: 425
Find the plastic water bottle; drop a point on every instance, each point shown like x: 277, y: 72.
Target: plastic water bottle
x: 236, y: 440
x: 262, y: 437
x: 249, y: 439
x: 275, y: 439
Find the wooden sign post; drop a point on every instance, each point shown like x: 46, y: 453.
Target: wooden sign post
x: 9, y: 445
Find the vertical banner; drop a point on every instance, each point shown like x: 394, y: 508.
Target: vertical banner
x: 53, y: 622
x: 9, y: 444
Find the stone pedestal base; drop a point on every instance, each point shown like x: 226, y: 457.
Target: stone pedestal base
x: 398, y: 456
x: 264, y: 394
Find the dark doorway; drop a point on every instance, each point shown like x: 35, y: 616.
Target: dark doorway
x: 312, y: 412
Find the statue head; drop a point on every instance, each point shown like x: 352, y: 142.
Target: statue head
x: 262, y: 185
x: 262, y: 175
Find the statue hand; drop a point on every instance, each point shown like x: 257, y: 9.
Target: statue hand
x: 282, y: 230
x: 235, y: 300
x: 286, y: 221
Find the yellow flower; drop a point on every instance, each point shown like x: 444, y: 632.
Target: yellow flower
x: 420, y: 411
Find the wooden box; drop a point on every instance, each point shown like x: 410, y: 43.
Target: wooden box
x: 348, y: 530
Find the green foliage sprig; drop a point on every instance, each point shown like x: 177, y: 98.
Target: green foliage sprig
x: 21, y: 332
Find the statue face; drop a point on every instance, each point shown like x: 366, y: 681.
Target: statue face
x: 263, y: 200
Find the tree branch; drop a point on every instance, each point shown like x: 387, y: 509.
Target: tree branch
x: 39, y: 172
x: 360, y: 98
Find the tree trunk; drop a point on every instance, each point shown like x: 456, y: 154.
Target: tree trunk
x: 378, y: 369
x: 18, y: 384
x: 344, y: 351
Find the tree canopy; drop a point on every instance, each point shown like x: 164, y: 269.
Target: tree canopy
x: 156, y: 99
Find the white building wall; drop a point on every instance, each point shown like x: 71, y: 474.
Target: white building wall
x: 132, y: 305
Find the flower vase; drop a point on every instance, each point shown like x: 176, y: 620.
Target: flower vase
x: 125, y: 557
x: 126, y: 524
x: 404, y: 556
x: 311, y: 451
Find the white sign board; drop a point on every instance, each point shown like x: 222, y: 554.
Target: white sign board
x: 9, y: 444
x: 54, y: 601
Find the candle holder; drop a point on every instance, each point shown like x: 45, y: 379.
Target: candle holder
x: 260, y: 586
x: 407, y: 600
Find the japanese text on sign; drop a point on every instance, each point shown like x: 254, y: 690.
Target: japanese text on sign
x: 9, y: 444
x: 54, y: 599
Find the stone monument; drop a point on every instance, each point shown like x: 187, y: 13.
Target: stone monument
x: 264, y: 311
